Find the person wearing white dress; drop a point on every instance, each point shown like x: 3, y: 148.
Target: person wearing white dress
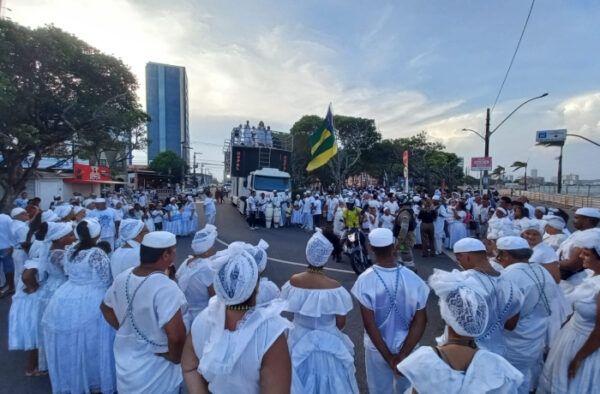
x: 457, y: 228
x: 195, y: 277
x: 438, y: 224
x: 78, y: 342
x: 459, y: 366
x: 572, y: 271
x: 131, y: 233
x: 297, y: 211
x: 392, y: 302
x: 573, y: 364
x: 503, y: 298
x: 322, y: 355
x: 189, y: 219
x: 526, y: 343
x: 210, y: 210
x: 236, y: 346
x: 267, y: 290
x: 173, y: 223
x: 554, y: 235
x: 146, y: 308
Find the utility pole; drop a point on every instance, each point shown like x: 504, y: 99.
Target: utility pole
x: 559, y: 180
x: 487, y: 148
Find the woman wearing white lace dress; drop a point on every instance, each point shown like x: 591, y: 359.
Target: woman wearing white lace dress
x: 322, y: 356
x: 236, y: 346
x: 459, y: 366
x: 195, y: 277
x: 78, y: 340
x: 573, y: 364
x: 267, y: 290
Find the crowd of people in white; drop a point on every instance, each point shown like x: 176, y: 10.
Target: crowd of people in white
x: 99, y: 306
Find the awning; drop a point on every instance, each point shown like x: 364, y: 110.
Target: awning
x: 88, y: 182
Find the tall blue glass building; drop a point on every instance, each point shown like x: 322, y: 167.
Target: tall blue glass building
x: 167, y: 105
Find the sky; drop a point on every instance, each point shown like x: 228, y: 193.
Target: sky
x: 410, y: 65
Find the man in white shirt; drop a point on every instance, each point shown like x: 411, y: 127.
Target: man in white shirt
x: 22, y: 201
x: 146, y: 308
x: 106, y: 218
x: 251, y: 210
x: 307, y: 209
x: 332, y: 204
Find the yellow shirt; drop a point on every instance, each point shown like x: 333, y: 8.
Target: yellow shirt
x: 352, y: 217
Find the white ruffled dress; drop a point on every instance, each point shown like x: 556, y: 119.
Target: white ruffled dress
x: 189, y: 219
x: 78, y: 341
x: 194, y: 278
x: 230, y: 361
x: 487, y: 373
x: 569, y: 341
x: 322, y: 356
x: 267, y: 291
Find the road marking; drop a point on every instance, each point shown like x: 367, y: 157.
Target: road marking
x: 295, y: 263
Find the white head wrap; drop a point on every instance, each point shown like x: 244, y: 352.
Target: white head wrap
x: 93, y: 226
x: 129, y: 229
x: 259, y: 252
x: 16, y: 212
x: 554, y: 221
x: 63, y: 210
x: 204, y: 239
x: 541, y: 209
x: 49, y: 216
x: 236, y: 274
x: 55, y: 232
x: 462, y: 307
x: 530, y: 224
x: 589, y: 239
x: 88, y: 202
x: 318, y: 249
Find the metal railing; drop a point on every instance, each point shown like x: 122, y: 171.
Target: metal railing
x: 562, y: 200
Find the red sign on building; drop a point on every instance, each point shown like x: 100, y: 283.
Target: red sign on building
x: 85, y: 172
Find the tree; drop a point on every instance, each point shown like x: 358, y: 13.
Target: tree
x: 517, y: 165
x: 170, y: 164
x: 498, y: 172
x: 354, y: 136
x: 59, y: 95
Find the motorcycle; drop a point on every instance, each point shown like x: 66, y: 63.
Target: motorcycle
x: 354, y: 247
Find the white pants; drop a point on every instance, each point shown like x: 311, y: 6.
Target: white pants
x: 210, y: 218
x: 380, y: 378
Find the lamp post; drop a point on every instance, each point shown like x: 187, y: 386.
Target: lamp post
x: 488, y: 133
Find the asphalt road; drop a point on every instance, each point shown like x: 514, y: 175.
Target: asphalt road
x: 286, y: 257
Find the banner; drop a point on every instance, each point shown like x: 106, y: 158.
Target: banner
x: 91, y: 173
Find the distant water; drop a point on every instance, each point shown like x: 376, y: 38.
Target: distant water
x: 575, y: 190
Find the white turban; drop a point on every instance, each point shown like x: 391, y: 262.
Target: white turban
x: 236, y: 274
x: 318, y: 249
x: 49, y: 216
x: 93, y: 226
x: 554, y: 221
x: 462, y: 307
x: 63, y: 211
x: 204, y: 239
x: 259, y: 252
x: 589, y: 239
x: 55, y: 232
x: 531, y: 224
x: 77, y: 209
x: 129, y: 229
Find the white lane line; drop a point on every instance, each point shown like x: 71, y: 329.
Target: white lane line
x: 293, y: 262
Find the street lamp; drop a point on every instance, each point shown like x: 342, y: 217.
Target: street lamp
x: 488, y: 133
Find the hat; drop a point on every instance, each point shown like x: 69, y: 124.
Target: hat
x: 159, y: 240
x: 318, y: 249
x: 381, y: 237
x: 204, y: 239
x: 541, y: 209
x: 589, y: 212
x: 554, y: 221
x: 130, y: 228
x: 588, y: 239
x: 502, y: 210
x: 436, y: 197
x: 57, y: 230
x: 62, y: 211
x: 530, y: 224
x: 16, y: 212
x: 88, y: 202
x: 511, y: 243
x: 467, y: 245
x: 100, y: 200
x: 259, y: 252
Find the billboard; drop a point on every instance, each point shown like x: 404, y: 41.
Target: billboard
x: 85, y: 172
x: 551, y: 136
x: 247, y: 159
x: 481, y: 163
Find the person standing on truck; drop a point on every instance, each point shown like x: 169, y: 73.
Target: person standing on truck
x: 251, y: 210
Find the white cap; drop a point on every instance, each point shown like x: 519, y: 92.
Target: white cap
x: 467, y: 245
x: 436, y: 197
x: 16, y: 212
x: 554, y: 221
x: 88, y: 202
x: 589, y: 212
x: 511, y: 243
x: 502, y: 210
x: 381, y: 237
x: 99, y: 200
x: 531, y: 224
x: 159, y: 240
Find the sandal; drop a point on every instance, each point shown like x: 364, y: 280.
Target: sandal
x: 36, y: 372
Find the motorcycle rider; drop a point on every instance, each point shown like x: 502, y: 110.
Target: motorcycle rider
x: 351, y: 215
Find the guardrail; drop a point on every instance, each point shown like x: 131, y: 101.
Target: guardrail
x: 562, y: 200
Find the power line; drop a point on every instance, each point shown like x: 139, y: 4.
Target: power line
x: 513, y: 56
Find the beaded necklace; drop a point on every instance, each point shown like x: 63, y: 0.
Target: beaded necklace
x: 238, y: 307
x: 315, y: 270
x: 392, y: 298
x: 130, y: 308
x: 539, y: 284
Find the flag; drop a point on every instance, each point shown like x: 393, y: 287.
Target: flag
x: 322, y: 143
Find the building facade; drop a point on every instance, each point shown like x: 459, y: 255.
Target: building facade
x: 167, y: 106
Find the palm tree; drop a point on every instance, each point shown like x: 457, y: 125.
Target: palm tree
x: 517, y: 165
x: 498, y: 172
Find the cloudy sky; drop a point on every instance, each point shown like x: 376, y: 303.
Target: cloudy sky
x: 410, y: 65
